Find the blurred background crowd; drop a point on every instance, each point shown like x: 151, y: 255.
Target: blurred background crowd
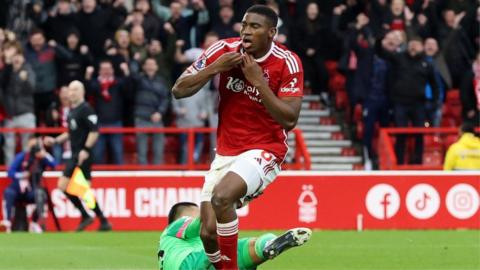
x: 399, y: 58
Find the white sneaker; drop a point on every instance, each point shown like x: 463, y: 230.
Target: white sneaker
x: 34, y: 227
x: 291, y: 238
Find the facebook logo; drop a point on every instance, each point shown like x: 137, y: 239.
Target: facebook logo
x: 382, y: 201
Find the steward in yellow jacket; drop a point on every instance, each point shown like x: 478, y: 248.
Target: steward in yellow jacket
x: 465, y: 153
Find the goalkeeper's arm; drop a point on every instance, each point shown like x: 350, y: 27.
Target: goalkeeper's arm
x: 185, y: 228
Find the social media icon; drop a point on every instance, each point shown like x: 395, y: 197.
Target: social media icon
x: 423, y: 201
x: 462, y: 201
x: 382, y: 201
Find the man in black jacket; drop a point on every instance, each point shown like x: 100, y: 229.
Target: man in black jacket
x: 97, y: 24
x: 411, y: 73
x: 109, y: 95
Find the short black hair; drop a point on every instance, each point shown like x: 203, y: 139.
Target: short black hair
x: 176, y: 208
x: 265, y: 11
x: 469, y: 127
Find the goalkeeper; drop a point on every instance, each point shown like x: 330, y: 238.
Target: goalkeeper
x: 181, y: 248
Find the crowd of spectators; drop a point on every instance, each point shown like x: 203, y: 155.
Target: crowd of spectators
x: 399, y: 57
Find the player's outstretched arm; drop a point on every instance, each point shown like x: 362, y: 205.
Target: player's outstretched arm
x: 191, y: 81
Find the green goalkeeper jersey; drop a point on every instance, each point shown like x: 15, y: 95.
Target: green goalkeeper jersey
x: 180, y: 239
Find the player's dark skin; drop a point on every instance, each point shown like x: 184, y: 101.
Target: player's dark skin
x: 257, y: 34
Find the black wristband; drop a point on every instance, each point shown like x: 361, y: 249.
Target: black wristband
x: 88, y: 149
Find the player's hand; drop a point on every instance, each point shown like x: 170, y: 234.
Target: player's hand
x: 23, y: 75
x: 52, y: 43
x: 310, y: 51
x: 252, y: 71
x: 55, y: 115
x: 180, y: 43
x: 408, y: 14
x: 83, y: 49
x: 458, y: 19
x: 89, y: 72
x: 362, y: 20
x: 168, y: 27
x: 125, y: 69
x: 82, y: 156
x: 227, y: 61
x: 48, y: 141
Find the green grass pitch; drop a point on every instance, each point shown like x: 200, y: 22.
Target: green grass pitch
x: 369, y: 250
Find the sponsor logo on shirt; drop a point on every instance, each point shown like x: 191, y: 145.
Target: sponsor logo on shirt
x: 292, y: 87
x: 238, y: 85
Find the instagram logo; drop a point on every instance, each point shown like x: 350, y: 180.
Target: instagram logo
x: 382, y: 201
x: 462, y: 201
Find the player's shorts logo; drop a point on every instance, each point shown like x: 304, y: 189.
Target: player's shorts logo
x: 462, y: 201
x: 423, y: 201
x: 382, y: 201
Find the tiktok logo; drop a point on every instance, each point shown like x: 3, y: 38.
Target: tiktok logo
x: 423, y: 201
x: 382, y: 201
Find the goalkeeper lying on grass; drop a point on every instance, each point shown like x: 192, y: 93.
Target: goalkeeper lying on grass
x: 181, y: 247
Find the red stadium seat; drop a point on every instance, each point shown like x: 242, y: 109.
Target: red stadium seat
x: 336, y: 83
x: 358, y: 113
x: 433, y: 158
x: 331, y: 67
x: 341, y: 100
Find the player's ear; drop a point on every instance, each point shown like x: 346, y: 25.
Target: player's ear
x: 272, y: 32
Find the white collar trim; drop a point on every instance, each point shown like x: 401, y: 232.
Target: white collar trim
x: 263, y: 58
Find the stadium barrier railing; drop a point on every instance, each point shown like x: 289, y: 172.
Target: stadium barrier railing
x: 300, y: 158
x: 435, y: 141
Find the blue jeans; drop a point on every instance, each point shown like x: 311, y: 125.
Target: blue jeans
x: 142, y: 142
x: 414, y: 113
x: 197, y: 151
x: 12, y: 194
x: 433, y: 113
x: 114, y: 141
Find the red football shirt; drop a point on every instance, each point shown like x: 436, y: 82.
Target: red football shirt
x: 244, y: 122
